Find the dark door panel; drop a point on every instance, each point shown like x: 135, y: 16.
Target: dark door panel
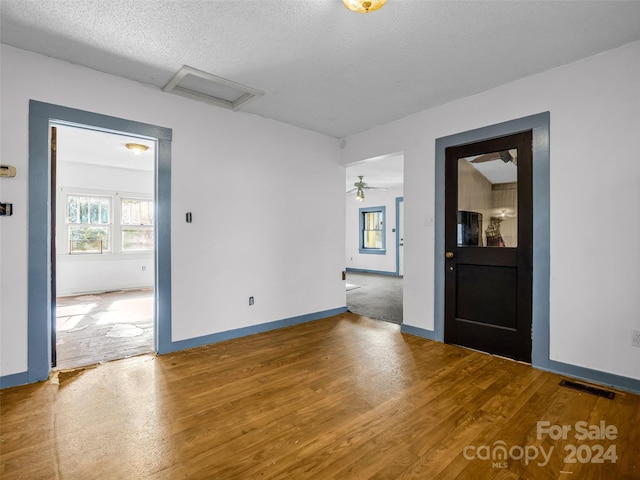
x: 488, y: 241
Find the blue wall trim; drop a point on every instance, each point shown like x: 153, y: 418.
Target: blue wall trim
x: 377, y: 272
x: 253, y: 329
x: 14, y: 380
x: 41, y: 115
x: 422, y: 333
x: 596, y: 376
x: 399, y: 200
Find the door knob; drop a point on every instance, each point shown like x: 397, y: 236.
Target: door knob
x: 449, y: 255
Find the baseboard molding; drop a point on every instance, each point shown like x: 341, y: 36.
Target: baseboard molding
x: 377, y: 272
x: 420, y: 332
x: 587, y: 374
x: 594, y: 376
x: 14, y: 380
x: 251, y: 330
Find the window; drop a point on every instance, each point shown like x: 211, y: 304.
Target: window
x: 137, y: 225
x: 89, y: 223
x: 372, y: 233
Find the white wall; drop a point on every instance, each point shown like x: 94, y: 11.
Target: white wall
x: 110, y: 270
x: 250, y: 182
x: 373, y: 198
x: 595, y: 198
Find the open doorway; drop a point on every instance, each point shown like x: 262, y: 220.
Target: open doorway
x: 375, y: 237
x: 104, y: 249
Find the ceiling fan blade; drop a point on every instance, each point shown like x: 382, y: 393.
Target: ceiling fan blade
x: 352, y: 190
x: 487, y: 157
x: 376, y: 188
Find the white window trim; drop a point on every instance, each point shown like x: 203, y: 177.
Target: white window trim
x: 62, y: 230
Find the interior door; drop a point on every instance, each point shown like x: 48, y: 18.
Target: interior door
x: 488, y: 243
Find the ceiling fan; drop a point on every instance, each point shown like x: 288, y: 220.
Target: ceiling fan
x: 360, y: 187
x: 506, y: 156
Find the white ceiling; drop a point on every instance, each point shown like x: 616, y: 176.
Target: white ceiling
x: 320, y: 66
x: 80, y: 145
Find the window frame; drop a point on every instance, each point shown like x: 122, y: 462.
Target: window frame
x: 69, y: 225
x: 361, y: 215
x: 143, y: 226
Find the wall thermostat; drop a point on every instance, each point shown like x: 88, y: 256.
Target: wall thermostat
x: 7, y: 171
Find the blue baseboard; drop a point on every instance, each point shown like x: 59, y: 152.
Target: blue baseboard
x: 581, y: 373
x: 251, y: 330
x: 595, y: 376
x: 420, y: 332
x: 377, y: 272
x: 14, y: 380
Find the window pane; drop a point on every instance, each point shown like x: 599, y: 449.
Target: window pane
x: 373, y: 239
x: 104, y: 210
x: 137, y: 238
x: 94, y: 210
x: 84, y: 209
x: 88, y: 239
x: 137, y: 212
x: 72, y: 210
x: 488, y: 200
x: 373, y: 221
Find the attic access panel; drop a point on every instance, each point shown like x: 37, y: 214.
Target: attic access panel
x: 206, y: 87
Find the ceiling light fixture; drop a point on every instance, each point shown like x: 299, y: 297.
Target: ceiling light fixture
x: 360, y: 194
x: 361, y: 6
x: 137, y: 148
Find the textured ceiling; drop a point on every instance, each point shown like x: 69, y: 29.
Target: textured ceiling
x: 321, y: 66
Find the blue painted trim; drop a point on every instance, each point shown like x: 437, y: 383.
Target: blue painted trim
x: 398, y: 201
x: 420, y: 332
x: 377, y: 272
x: 596, y: 376
x: 39, y: 269
x: 253, y: 329
x: 372, y: 251
x: 14, y: 380
x: 539, y: 124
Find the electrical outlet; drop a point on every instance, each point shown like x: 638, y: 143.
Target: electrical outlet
x: 635, y: 338
x: 251, y: 302
x: 144, y: 268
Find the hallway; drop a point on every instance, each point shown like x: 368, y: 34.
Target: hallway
x: 375, y: 296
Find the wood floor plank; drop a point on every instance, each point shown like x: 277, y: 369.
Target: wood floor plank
x: 340, y: 398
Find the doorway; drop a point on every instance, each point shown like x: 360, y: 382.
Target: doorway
x: 40, y: 296
x: 488, y: 243
x: 374, y: 237
x: 103, y: 280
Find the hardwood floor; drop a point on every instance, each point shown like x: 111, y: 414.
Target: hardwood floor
x: 344, y: 397
x: 105, y: 326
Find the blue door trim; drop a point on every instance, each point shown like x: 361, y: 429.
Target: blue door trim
x: 41, y: 115
x: 398, y: 201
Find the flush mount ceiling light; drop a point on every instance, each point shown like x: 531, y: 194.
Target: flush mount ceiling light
x: 206, y: 87
x: 361, y: 6
x: 137, y: 148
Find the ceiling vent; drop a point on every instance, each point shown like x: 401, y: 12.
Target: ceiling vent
x: 205, y: 87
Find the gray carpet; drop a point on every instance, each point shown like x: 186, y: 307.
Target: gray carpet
x: 376, y: 296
